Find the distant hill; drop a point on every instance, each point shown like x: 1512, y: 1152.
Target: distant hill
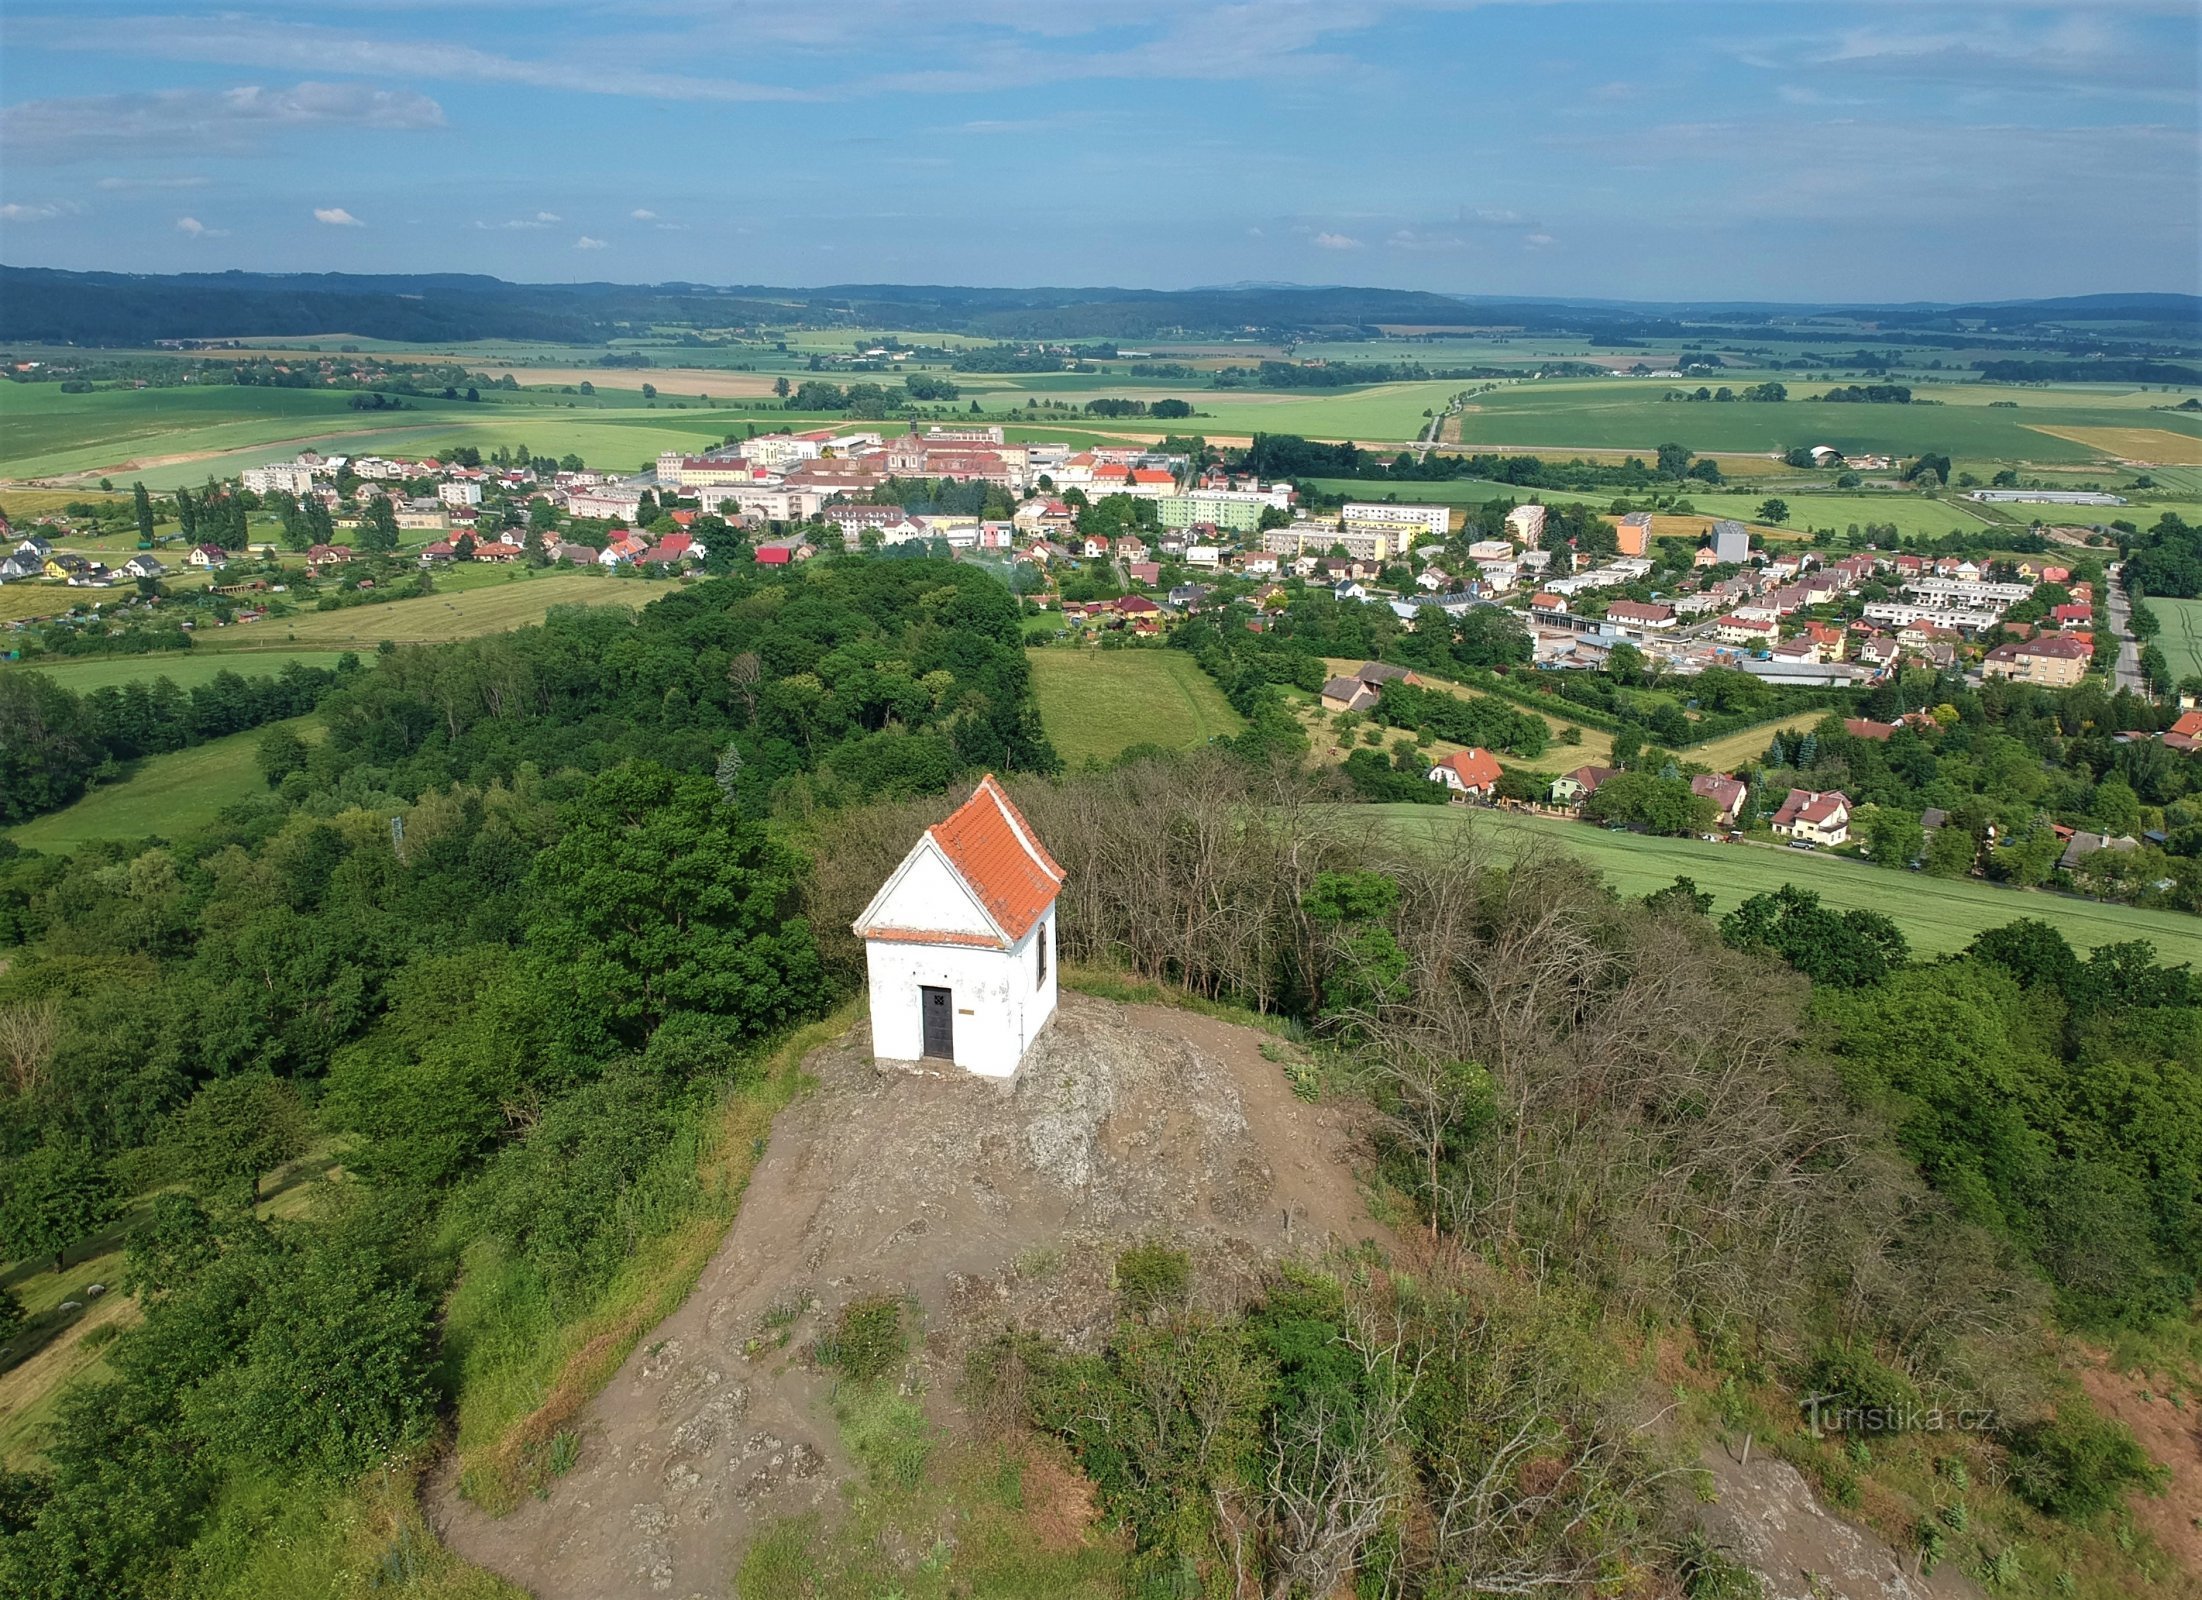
x: 45, y: 305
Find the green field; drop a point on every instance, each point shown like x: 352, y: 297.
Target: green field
x: 1628, y: 413
x: 167, y: 795
x: 185, y: 671
x: 2181, y: 638
x: 1096, y: 704
x: 1936, y: 914
x: 431, y: 619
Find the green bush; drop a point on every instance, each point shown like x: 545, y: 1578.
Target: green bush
x: 1154, y: 1275
x: 867, y: 1339
x: 2076, y: 1464
x: 1874, y: 1397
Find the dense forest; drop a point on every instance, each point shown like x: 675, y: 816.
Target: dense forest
x: 102, y: 308
x: 538, y: 908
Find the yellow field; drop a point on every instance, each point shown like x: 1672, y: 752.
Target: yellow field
x: 673, y: 383
x: 437, y: 617
x: 2143, y: 447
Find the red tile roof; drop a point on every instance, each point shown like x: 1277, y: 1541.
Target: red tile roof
x: 1476, y: 768
x: 995, y: 851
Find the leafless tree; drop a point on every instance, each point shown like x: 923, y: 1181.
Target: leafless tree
x: 28, y: 1032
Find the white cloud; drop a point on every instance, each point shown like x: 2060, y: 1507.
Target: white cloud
x: 587, y: 243
x: 1537, y: 241
x: 124, y: 185
x: 641, y: 215
x: 196, y: 229
x: 239, y: 119
x: 1336, y: 241
x: 13, y: 212
x: 541, y: 219
x: 336, y: 217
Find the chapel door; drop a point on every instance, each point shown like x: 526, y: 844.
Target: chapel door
x: 938, y: 1006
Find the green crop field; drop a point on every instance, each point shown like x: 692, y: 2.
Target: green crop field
x: 1936, y: 914
x: 167, y: 795
x: 1096, y: 704
x: 434, y: 618
x: 1628, y: 413
x: 2181, y: 635
x: 186, y: 671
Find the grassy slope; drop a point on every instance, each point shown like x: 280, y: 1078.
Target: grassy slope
x: 1937, y: 915
x: 185, y: 671
x: 1097, y: 703
x: 434, y: 618
x: 167, y: 795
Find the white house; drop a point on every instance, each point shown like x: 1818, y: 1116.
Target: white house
x: 959, y: 943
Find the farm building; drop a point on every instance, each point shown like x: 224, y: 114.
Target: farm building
x: 959, y: 943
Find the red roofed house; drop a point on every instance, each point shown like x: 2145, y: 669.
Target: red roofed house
x: 1725, y: 792
x: 2186, y: 733
x: 959, y: 943
x: 1815, y: 815
x: 1867, y: 728
x: 2074, y: 612
x: 1467, y: 772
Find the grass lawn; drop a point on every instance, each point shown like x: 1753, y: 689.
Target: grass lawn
x: 2181, y: 635
x: 185, y: 671
x: 167, y: 795
x: 1936, y: 914
x: 1096, y: 704
x: 433, y: 618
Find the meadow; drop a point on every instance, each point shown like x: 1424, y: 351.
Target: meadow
x: 2181, y: 635
x: 1937, y: 915
x: 185, y: 670
x: 434, y: 618
x: 1095, y: 704
x: 166, y: 795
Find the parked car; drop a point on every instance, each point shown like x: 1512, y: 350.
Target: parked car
x: 1802, y: 844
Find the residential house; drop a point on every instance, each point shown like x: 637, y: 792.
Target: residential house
x: 1573, y: 788
x: 579, y: 555
x: 145, y: 566
x: 1639, y: 614
x: 1738, y: 629
x: 1866, y: 728
x: 2053, y: 661
x: 207, y: 556
x: 1816, y: 816
x: 320, y: 556
x: 1474, y: 771
x: 2084, y: 844
x: 1632, y: 534
x: 1725, y: 791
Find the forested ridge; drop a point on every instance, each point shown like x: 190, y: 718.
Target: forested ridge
x: 512, y: 938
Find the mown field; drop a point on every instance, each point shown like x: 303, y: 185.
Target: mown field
x: 2181, y: 635
x: 434, y: 618
x: 1936, y: 914
x: 186, y: 671
x: 1095, y: 704
x: 166, y: 795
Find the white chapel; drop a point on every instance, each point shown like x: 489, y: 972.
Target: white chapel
x: 959, y: 943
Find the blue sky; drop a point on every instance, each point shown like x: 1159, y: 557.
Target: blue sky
x: 1637, y: 150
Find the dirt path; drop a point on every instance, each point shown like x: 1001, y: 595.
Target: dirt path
x: 987, y: 1204
x: 2172, y: 1436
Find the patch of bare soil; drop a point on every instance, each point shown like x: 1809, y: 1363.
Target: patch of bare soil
x: 988, y: 1204
x: 2172, y: 1436
x: 1767, y: 1517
